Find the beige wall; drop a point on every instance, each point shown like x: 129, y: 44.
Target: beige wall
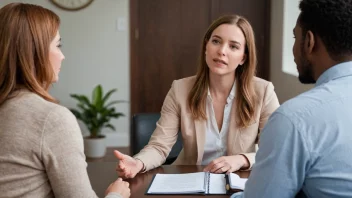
x: 286, y: 85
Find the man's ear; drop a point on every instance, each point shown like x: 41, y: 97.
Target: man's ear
x: 309, y: 42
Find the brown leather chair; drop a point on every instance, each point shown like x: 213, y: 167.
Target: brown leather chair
x: 143, y: 125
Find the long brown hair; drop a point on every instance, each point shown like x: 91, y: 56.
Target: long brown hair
x: 26, y: 32
x: 245, y: 95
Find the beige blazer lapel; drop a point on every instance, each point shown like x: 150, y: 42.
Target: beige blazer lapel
x: 234, y: 131
x: 200, y: 126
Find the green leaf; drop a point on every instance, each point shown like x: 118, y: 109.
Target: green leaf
x: 97, y: 96
x: 110, y: 126
x: 81, y: 99
x: 106, y: 97
x: 116, y: 115
x: 95, y: 114
x: 115, y: 102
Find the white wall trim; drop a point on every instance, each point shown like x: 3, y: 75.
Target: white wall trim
x: 290, y: 14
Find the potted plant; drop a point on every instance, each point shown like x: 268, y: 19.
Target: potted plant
x: 96, y: 115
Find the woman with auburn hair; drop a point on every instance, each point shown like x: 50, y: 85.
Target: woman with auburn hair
x: 220, y: 111
x: 41, y: 145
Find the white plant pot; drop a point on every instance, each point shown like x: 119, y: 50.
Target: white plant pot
x: 94, y: 148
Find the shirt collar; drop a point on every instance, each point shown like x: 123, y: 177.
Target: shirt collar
x: 337, y: 71
x: 231, y: 95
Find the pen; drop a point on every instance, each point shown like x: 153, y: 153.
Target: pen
x: 227, y: 183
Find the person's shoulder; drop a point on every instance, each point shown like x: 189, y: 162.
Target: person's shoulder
x: 38, y: 105
x: 301, y: 106
x: 261, y: 84
x: 43, y: 109
x: 62, y: 113
x: 184, y: 84
x: 185, y: 81
x: 262, y: 87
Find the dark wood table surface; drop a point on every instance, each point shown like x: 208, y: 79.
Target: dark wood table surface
x: 101, y: 174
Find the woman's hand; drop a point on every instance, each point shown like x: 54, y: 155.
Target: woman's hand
x: 127, y: 167
x: 227, y: 164
x: 120, y: 187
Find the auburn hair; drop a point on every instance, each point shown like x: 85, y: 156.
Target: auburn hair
x: 244, y: 74
x: 26, y: 32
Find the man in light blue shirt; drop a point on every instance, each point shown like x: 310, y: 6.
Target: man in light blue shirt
x: 305, y: 149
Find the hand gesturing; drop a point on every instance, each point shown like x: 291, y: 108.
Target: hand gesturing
x: 127, y: 167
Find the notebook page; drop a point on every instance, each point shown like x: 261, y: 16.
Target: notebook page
x: 178, y: 183
x: 217, y: 184
x: 236, y: 182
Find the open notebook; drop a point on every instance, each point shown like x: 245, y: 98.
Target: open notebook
x: 236, y: 183
x: 194, y: 183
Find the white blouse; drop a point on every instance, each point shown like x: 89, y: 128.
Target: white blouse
x: 216, y: 141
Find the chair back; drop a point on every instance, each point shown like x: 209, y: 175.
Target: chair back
x: 143, y: 126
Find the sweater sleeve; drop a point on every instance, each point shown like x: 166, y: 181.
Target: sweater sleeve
x: 113, y: 195
x: 63, y: 157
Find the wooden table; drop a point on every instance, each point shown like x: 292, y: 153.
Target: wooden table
x: 101, y: 174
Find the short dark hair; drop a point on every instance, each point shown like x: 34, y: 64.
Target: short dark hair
x: 331, y: 20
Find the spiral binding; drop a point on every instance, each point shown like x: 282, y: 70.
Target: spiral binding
x: 208, y: 181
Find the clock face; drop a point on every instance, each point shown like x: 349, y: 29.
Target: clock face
x: 72, y: 4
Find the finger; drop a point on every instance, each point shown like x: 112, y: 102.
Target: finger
x: 121, y: 166
x: 119, y: 179
x: 221, y: 170
x: 120, y: 170
x: 207, y: 168
x: 216, y: 167
x: 217, y: 163
x: 129, y: 175
x: 127, y: 184
x: 122, y: 174
x: 119, y: 155
x: 218, y: 170
x: 232, y: 169
x: 210, y: 165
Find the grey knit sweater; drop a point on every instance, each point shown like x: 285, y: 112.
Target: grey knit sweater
x: 41, y: 150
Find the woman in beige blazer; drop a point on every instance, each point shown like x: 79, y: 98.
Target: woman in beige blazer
x: 219, y: 112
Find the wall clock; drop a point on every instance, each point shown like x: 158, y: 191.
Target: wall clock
x: 72, y: 4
